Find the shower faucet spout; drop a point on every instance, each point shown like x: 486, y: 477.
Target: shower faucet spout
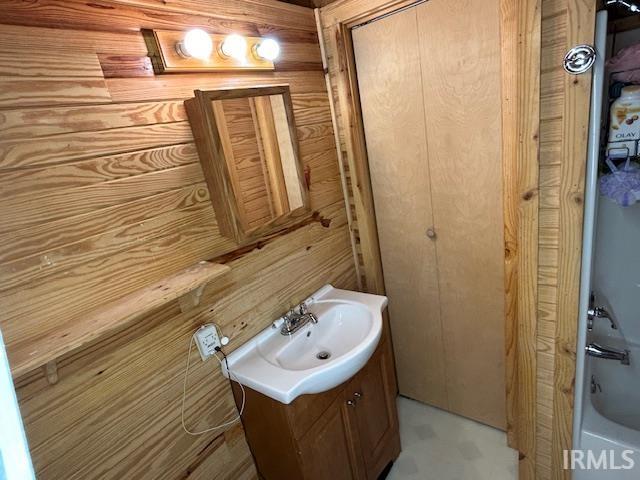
x: 598, y: 351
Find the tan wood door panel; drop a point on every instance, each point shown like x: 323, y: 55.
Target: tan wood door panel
x: 460, y: 58
x: 429, y: 80
x: 388, y: 65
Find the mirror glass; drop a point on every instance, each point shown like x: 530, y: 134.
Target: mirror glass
x: 261, y: 158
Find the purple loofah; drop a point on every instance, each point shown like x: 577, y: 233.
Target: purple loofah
x: 621, y: 185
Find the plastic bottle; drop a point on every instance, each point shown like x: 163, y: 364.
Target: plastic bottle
x: 624, y: 127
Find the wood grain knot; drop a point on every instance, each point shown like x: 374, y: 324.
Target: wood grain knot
x: 509, y: 251
x: 98, y: 5
x: 528, y: 195
x: 568, y: 350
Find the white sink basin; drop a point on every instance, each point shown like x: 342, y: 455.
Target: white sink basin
x: 284, y: 367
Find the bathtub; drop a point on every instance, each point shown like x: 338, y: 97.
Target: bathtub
x: 607, y: 420
x: 611, y: 415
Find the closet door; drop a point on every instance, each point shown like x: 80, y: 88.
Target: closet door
x: 429, y: 80
x: 388, y: 65
x: 460, y: 59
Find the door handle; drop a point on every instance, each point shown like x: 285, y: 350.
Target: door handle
x: 431, y: 233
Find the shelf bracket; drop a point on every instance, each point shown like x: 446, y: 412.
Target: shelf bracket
x: 191, y: 299
x: 51, y: 372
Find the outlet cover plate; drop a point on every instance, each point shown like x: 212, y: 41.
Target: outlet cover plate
x: 207, y: 340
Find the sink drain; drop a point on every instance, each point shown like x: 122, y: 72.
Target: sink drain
x: 323, y: 355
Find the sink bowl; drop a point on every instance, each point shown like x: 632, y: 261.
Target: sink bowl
x: 317, y: 357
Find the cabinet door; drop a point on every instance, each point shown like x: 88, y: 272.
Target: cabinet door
x: 330, y: 450
x: 374, y: 392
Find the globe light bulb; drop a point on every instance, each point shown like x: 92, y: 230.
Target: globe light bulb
x: 268, y: 49
x: 197, y: 43
x: 234, y: 46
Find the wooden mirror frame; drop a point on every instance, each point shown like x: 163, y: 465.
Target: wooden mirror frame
x: 216, y: 169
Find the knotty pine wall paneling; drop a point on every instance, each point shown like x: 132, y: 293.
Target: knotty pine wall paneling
x: 102, y: 193
x: 564, y: 119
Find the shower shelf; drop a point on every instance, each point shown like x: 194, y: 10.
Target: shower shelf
x: 185, y: 286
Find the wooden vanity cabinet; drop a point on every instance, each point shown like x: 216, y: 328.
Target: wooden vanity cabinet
x: 375, y: 411
x: 329, y: 450
x: 349, y: 432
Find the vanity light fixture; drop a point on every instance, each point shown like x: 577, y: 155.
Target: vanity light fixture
x: 196, y: 43
x: 267, y: 49
x: 173, y: 51
x: 234, y: 46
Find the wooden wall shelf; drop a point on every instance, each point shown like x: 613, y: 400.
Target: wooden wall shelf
x: 186, y: 286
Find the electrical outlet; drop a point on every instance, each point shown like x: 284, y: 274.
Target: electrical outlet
x: 207, y: 340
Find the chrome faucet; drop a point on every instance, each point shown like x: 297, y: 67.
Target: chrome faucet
x: 596, y: 350
x: 296, y: 318
x: 599, y: 312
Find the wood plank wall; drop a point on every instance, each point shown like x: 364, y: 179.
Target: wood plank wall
x: 521, y: 32
x: 551, y: 105
x: 564, y: 118
x: 102, y: 193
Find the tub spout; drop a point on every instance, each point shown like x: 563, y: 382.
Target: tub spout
x: 595, y: 350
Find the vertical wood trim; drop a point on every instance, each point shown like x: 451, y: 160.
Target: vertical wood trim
x: 524, y: 113
x: 336, y: 137
x: 580, y: 29
x: 509, y: 38
x: 357, y: 156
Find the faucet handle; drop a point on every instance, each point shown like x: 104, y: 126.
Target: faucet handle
x: 289, y: 316
x: 599, y: 312
x: 303, y: 308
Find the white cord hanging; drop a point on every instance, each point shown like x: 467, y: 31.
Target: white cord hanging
x: 184, y: 394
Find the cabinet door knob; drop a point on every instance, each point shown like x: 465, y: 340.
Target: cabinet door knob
x: 351, y: 403
x: 431, y: 233
x: 357, y: 395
